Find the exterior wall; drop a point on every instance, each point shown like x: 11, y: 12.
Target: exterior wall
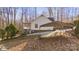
x: 40, y: 21
x: 25, y: 27
x: 46, y: 28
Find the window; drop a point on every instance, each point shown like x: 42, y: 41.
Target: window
x: 36, y: 25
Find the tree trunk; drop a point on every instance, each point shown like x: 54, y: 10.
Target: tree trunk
x: 50, y: 11
x: 14, y: 15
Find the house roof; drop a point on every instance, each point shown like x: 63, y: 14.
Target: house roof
x: 50, y: 18
x: 58, y: 25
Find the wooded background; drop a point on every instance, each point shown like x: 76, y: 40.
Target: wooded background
x: 20, y: 15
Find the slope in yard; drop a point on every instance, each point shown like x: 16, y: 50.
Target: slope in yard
x: 59, y: 43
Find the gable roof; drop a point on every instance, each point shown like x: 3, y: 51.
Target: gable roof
x: 50, y: 18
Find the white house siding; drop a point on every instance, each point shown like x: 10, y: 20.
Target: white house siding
x: 46, y: 28
x: 25, y: 27
x: 40, y: 21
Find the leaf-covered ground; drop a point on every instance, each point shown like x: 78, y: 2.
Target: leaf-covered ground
x: 45, y: 44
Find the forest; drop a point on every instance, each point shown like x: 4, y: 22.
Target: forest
x: 19, y: 15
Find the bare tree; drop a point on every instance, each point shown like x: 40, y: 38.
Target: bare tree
x: 35, y: 12
x: 50, y: 11
x: 14, y: 15
x: 61, y: 13
x: 8, y: 15
x: 22, y: 18
x: 0, y: 18
x: 58, y: 14
x: 26, y: 15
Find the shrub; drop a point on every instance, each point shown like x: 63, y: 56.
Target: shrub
x: 7, y: 29
x: 11, y: 31
x: 2, y: 33
x: 76, y: 23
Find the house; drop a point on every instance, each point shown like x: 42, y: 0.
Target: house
x: 43, y: 23
x: 41, y: 20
